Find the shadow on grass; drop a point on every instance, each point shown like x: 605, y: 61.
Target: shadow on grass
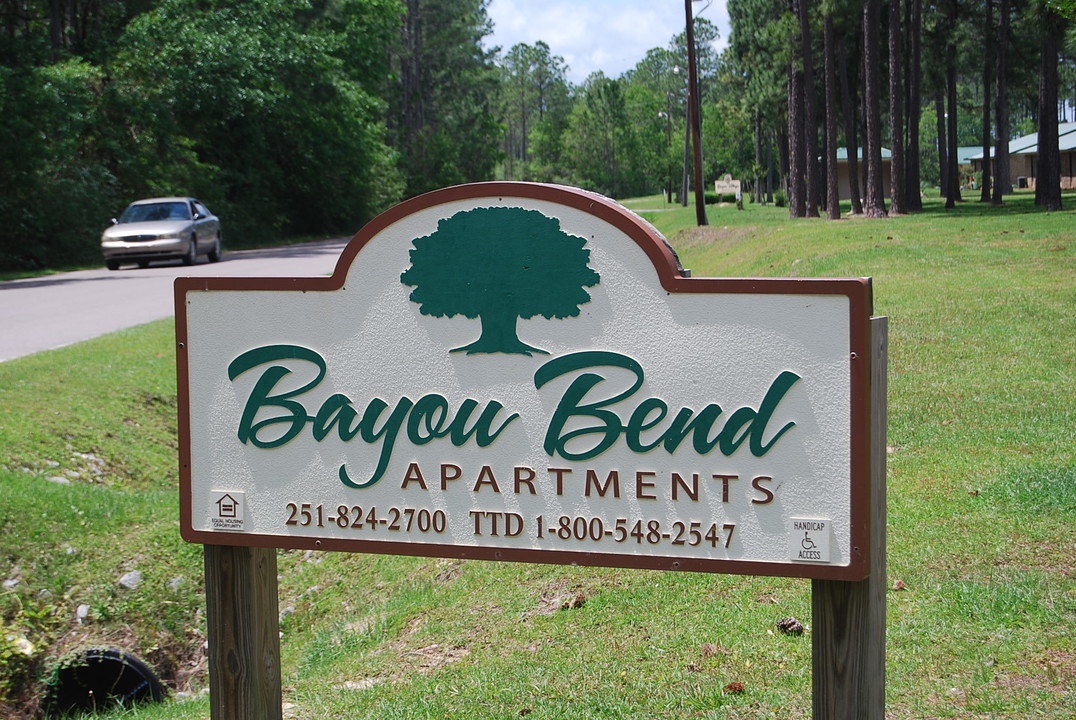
x: 1020, y: 203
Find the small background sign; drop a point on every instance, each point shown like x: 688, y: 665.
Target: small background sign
x: 727, y: 185
x: 524, y: 372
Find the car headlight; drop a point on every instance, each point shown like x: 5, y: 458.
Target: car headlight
x: 174, y: 235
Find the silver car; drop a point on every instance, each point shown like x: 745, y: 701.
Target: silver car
x: 162, y: 229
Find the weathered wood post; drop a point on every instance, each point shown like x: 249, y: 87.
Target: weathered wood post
x: 243, y: 629
x: 848, y: 641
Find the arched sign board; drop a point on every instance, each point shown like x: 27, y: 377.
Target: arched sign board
x: 524, y: 372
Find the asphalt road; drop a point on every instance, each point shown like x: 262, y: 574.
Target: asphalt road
x: 49, y: 312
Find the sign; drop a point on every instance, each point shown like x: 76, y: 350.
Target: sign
x: 524, y: 372
x: 726, y: 185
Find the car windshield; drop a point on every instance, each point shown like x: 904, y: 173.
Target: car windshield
x: 149, y: 212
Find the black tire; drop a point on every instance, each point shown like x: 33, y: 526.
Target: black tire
x: 112, y: 264
x: 216, y: 251
x: 192, y: 252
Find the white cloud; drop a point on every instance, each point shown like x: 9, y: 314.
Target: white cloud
x: 607, y: 35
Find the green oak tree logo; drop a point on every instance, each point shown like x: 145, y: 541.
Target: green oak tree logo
x: 500, y: 264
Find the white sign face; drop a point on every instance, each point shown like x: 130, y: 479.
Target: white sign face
x: 726, y: 185
x: 522, y: 372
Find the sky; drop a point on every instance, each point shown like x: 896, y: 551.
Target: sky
x: 591, y: 35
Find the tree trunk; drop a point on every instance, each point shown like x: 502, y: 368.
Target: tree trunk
x: 952, y: 164
x: 823, y: 158
x: 810, y: 114
x: 769, y: 167
x: 952, y: 194
x: 833, y: 203
x: 694, y: 107
x: 848, y: 106
x: 796, y: 161
x: 875, y: 200
x: 988, y: 84
x: 943, y: 144
x: 56, y: 30
x: 523, y: 133
x: 685, y: 178
x: 912, y: 195
x: 896, y: 112
x: 783, y: 163
x: 1048, y: 175
x: 1002, y: 181
x: 412, y: 83
x: 758, y: 158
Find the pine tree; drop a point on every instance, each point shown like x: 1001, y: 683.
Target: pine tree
x: 874, y: 205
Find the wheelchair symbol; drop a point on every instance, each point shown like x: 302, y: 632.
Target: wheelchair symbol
x: 807, y: 543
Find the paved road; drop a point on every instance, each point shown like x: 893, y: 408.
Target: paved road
x: 50, y: 312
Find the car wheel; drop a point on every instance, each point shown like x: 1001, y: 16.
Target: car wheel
x: 192, y: 252
x: 215, y: 252
x: 112, y: 264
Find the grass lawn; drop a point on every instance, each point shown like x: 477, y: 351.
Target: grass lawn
x: 981, y: 525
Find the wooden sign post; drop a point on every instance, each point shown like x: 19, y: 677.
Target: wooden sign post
x: 243, y: 630
x: 848, y: 637
x: 522, y: 372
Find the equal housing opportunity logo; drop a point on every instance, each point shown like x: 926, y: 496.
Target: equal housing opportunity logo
x: 525, y: 371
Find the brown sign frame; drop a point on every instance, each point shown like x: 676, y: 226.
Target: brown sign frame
x: 673, y: 279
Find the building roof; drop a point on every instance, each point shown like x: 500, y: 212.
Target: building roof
x: 1029, y: 144
x: 964, y: 153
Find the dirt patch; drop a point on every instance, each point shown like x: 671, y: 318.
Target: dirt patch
x: 1052, y: 671
x: 433, y: 657
x: 450, y: 573
x: 1045, y: 555
x: 724, y: 236
x: 560, y: 596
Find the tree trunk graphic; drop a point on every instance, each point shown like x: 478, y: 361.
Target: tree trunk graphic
x: 499, y: 336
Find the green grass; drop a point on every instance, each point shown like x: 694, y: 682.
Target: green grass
x: 981, y: 531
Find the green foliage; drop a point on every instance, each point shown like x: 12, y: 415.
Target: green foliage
x: 68, y: 545
x: 441, y: 106
x: 124, y: 398
x: 753, y: 83
x: 604, y: 150
x: 657, y: 97
x: 274, y: 112
x: 713, y: 198
x: 88, y: 480
x: 728, y: 141
x: 980, y: 524
x: 56, y: 178
x: 534, y: 104
x: 1064, y: 8
x: 306, y: 117
x: 16, y: 660
x: 294, y: 141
